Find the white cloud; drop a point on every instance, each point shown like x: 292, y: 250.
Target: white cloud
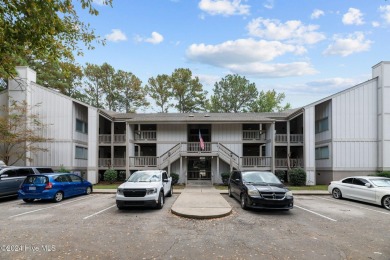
x: 353, y: 17
x: 249, y: 57
x: 240, y: 51
x: 99, y: 2
x: 317, y: 13
x: 293, y: 31
x: 116, y: 35
x: 353, y: 43
x: 375, y: 24
x: 269, y: 4
x: 155, y: 38
x: 224, y: 7
x: 385, y: 10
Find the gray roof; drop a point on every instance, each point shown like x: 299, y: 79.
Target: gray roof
x: 201, y: 117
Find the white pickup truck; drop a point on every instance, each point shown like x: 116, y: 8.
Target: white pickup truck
x: 145, y: 188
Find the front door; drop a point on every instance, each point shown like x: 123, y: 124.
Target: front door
x: 199, y: 168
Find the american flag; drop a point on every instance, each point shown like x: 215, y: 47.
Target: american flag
x: 201, y: 143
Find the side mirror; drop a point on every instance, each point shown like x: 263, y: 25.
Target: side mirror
x: 368, y: 185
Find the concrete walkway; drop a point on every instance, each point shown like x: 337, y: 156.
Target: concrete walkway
x: 201, y: 202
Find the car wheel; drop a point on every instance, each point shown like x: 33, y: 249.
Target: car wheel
x: 58, y: 196
x: 28, y: 200
x: 160, y: 203
x: 243, y: 202
x: 88, y: 190
x: 230, y: 192
x: 386, y: 202
x: 120, y: 207
x: 336, y: 193
x: 170, y: 192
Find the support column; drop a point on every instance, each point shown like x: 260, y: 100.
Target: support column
x: 127, y: 154
x: 273, y: 133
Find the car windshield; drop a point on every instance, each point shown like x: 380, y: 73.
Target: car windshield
x: 145, y: 176
x: 381, y: 182
x: 35, y: 180
x: 259, y: 177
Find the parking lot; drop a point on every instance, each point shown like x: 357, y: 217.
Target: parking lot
x: 319, y: 227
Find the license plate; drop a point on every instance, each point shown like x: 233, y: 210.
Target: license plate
x: 32, y: 188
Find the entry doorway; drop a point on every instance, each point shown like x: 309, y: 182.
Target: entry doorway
x: 199, y: 168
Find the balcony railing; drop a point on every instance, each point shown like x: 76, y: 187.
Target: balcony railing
x: 120, y: 138
x: 281, y: 138
x: 256, y: 161
x: 296, y: 138
x: 145, y: 135
x: 105, y: 139
x: 195, y: 147
x: 104, y: 162
x: 253, y: 135
x: 119, y: 162
x: 142, y: 161
x: 294, y: 163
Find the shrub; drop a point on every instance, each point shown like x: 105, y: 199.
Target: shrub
x: 63, y: 169
x: 175, y: 178
x: 282, y: 175
x: 383, y: 174
x: 225, y: 177
x: 297, y: 177
x: 110, y: 175
x: 122, y: 176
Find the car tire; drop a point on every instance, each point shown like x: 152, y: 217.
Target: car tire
x: 160, y: 203
x: 58, y: 196
x: 88, y: 190
x: 243, y: 202
x: 336, y: 193
x: 120, y: 207
x: 28, y: 200
x: 230, y: 192
x: 170, y: 192
x: 386, y: 202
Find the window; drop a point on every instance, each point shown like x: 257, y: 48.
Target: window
x: 322, y: 152
x: 348, y: 180
x: 24, y: 172
x: 81, y: 153
x: 360, y: 182
x: 75, y: 178
x: 322, y: 125
x: 81, y: 126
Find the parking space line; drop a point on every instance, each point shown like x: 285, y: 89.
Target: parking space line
x: 94, y: 214
x: 338, y: 201
x: 318, y: 214
x: 60, y: 204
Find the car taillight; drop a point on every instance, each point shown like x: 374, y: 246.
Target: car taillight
x: 49, y: 186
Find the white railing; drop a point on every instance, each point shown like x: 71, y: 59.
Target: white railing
x: 142, y: 161
x: 105, y: 138
x: 296, y: 138
x: 294, y: 163
x: 145, y: 135
x: 256, y: 161
x: 104, y: 162
x: 253, y: 135
x: 119, y: 162
x: 228, y: 156
x: 195, y: 147
x: 120, y: 138
x: 281, y: 138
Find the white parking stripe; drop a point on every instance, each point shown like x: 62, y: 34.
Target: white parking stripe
x: 94, y: 214
x: 338, y: 201
x: 60, y: 204
x: 318, y: 214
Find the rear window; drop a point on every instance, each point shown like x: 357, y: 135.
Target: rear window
x: 45, y: 170
x: 36, y: 180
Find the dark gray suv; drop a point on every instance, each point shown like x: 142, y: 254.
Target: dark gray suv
x: 12, y: 177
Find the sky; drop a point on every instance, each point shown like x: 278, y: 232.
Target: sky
x: 307, y: 49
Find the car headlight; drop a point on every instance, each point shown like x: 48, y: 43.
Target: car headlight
x: 289, y: 193
x: 119, y: 191
x: 253, y: 193
x: 151, y: 191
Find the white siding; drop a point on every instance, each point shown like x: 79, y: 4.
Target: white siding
x: 81, y: 113
x: 93, y: 131
x: 170, y: 135
x: 309, y: 147
x: 355, y: 128
x: 230, y: 135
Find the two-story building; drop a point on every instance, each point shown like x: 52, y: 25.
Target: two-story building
x: 345, y: 134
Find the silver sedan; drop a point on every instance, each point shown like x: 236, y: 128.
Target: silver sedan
x: 368, y: 189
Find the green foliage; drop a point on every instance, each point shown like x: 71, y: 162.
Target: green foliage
x: 225, y: 177
x: 187, y: 91
x: 282, y: 175
x: 232, y: 94
x: 269, y: 101
x: 383, y: 174
x: 175, y: 178
x: 49, y: 31
x: 122, y: 175
x: 160, y: 90
x: 63, y: 169
x: 297, y: 177
x: 110, y: 175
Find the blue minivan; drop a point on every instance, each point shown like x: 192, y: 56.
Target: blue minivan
x: 53, y: 186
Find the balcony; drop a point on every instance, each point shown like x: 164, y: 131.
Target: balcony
x: 145, y: 135
x: 253, y: 135
x: 294, y: 163
x: 143, y: 161
x: 106, y: 138
x: 294, y: 138
x: 256, y: 161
